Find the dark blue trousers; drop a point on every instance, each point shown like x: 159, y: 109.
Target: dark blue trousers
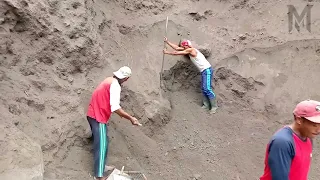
x: 100, y: 145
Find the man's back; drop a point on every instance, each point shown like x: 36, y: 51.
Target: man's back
x: 287, y: 157
x: 200, y: 61
x: 99, y: 107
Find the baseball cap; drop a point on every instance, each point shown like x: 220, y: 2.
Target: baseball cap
x: 123, y: 72
x: 186, y: 43
x: 308, y: 109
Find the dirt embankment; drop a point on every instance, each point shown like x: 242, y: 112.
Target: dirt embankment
x: 53, y: 54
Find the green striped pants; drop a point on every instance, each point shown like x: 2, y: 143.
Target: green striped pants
x: 100, y: 145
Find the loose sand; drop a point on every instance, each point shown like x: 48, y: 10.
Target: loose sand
x: 53, y: 54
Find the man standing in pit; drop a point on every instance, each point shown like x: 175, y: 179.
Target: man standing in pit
x: 199, y: 60
x: 289, y: 152
x: 104, y: 101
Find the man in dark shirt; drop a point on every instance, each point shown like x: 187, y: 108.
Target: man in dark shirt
x: 289, y: 152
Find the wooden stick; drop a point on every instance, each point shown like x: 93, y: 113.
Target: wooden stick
x: 164, y: 46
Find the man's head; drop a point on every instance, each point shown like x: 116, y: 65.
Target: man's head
x: 123, y: 74
x: 307, y: 117
x: 186, y: 44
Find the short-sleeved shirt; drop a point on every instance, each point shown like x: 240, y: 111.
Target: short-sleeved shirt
x: 104, y: 100
x: 288, y: 157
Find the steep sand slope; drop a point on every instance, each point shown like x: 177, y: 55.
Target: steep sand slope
x: 53, y: 54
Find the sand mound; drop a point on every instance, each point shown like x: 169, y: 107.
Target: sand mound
x: 53, y: 54
x: 21, y: 156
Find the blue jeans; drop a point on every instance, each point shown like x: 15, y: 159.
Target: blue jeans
x: 206, y: 79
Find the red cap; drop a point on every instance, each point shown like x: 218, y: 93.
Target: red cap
x: 186, y: 43
x: 308, y: 109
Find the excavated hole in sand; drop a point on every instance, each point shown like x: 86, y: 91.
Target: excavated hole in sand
x: 184, y: 76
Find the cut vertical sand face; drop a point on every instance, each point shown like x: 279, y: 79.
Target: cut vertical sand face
x: 21, y: 158
x: 154, y: 114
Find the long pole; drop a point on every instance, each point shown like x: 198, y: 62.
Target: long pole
x: 164, y: 46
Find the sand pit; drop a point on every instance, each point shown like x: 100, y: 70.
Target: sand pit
x: 54, y: 53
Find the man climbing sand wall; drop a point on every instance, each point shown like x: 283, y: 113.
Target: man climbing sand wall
x: 289, y: 152
x: 105, y: 100
x: 199, y: 60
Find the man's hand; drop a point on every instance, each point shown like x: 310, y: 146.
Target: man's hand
x: 165, y: 51
x: 174, y: 46
x: 165, y: 39
x: 134, y: 121
x: 122, y: 113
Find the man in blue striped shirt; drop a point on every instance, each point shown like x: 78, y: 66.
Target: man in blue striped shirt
x: 289, y: 152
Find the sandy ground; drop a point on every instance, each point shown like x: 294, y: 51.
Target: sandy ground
x: 53, y: 54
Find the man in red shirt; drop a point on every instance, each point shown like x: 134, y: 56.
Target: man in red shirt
x: 289, y: 152
x: 104, y: 101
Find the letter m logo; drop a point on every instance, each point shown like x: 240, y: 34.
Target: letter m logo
x: 303, y: 19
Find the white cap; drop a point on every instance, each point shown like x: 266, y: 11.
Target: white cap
x: 123, y: 72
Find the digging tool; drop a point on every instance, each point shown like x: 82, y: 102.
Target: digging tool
x: 164, y: 46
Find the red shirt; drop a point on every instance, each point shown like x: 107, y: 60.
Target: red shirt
x: 100, y: 107
x: 288, y: 157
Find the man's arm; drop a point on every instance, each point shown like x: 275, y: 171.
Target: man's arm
x: 281, y: 152
x: 184, y: 52
x: 124, y: 114
x: 115, y: 91
x: 174, y: 46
